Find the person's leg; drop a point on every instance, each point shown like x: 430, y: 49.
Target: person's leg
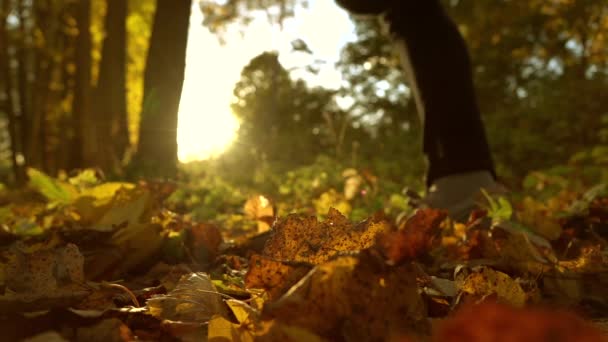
x: 438, y: 69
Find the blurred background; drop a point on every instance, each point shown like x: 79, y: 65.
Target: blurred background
x: 294, y: 99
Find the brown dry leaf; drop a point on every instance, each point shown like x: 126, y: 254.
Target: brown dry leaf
x: 496, y: 322
x: 484, y: 281
x: 354, y: 299
x: 303, y: 239
x: 477, y: 244
x: 414, y: 238
x: 273, y: 276
x: 203, y: 240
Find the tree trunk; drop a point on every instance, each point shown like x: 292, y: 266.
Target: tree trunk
x: 111, y: 92
x: 7, y: 89
x: 23, y: 70
x: 33, y: 130
x: 85, y: 149
x: 163, y: 80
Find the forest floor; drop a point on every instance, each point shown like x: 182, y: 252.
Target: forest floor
x: 86, y: 260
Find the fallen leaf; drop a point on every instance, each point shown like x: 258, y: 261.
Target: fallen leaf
x: 483, y: 281
x: 354, y: 299
x: 496, y: 322
x: 203, y: 240
x: 194, y: 299
x: 414, y: 238
x: 41, y: 272
x: 52, y: 189
x: 303, y: 239
x: 274, y: 276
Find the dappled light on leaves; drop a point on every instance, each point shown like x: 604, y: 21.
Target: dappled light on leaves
x: 304, y: 239
x: 274, y: 276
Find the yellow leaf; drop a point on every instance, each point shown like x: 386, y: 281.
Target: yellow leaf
x: 93, y: 203
x: 128, y: 210
x: 137, y: 242
x: 222, y: 330
x: 104, y: 193
x: 242, y: 311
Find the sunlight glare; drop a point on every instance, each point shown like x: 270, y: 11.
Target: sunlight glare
x: 206, y: 125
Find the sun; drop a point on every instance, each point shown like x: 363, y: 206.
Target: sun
x: 204, y: 131
x: 206, y: 124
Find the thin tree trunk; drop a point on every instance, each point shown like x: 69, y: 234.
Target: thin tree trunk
x: 111, y: 92
x: 58, y: 122
x: 8, y: 91
x: 22, y: 71
x: 34, y: 136
x: 163, y: 81
x: 86, y: 146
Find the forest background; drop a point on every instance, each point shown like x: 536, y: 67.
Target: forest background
x: 97, y: 84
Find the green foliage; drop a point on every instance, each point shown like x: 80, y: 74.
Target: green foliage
x: 308, y: 181
x: 526, y: 72
x: 281, y: 119
x: 210, y: 192
x: 52, y: 189
x: 207, y: 197
x: 219, y: 14
x: 499, y: 209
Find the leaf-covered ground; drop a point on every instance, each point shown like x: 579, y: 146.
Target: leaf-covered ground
x: 86, y: 260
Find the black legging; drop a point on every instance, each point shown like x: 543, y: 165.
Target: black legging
x: 438, y: 69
